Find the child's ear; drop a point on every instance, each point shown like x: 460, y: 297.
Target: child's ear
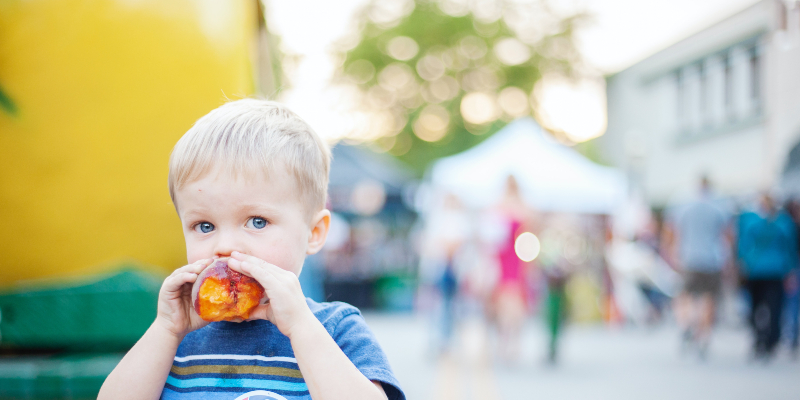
x: 319, y: 231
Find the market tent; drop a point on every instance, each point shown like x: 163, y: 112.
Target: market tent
x: 551, y: 176
x: 351, y: 164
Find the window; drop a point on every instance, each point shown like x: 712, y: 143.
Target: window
x: 728, y: 85
x: 721, y: 91
x: 755, y: 74
x: 683, y: 100
x: 681, y: 96
x: 704, y: 98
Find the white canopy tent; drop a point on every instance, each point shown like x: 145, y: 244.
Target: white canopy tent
x: 551, y: 176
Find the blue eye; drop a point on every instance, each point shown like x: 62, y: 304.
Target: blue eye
x: 257, y: 222
x: 204, y: 227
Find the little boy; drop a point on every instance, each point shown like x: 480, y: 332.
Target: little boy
x: 249, y: 182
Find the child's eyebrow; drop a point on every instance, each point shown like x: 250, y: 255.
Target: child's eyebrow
x: 193, y: 213
x: 257, y: 208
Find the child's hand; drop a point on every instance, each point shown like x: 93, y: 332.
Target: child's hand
x: 287, y: 307
x: 175, y: 309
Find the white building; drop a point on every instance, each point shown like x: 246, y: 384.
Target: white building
x: 724, y: 102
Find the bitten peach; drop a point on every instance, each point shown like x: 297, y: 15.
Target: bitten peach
x: 222, y: 294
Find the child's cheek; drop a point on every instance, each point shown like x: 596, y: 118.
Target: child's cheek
x: 195, y: 251
x: 286, y: 260
x: 283, y: 248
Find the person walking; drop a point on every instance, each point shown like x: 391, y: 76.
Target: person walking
x: 792, y: 312
x: 767, y: 251
x: 446, y: 232
x: 509, y: 300
x: 792, y: 307
x: 699, y: 234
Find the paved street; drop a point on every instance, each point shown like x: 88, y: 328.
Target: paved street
x: 596, y: 363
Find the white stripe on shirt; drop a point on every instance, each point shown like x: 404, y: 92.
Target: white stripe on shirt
x: 234, y: 357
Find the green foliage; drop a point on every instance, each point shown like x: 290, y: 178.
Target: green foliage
x: 7, y: 104
x: 456, y: 54
x: 271, y: 79
x: 591, y: 150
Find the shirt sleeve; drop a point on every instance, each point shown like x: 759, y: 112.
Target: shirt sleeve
x: 359, y: 344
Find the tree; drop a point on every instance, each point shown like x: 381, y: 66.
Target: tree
x: 441, y: 76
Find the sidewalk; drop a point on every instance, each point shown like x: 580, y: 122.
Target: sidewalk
x: 595, y: 363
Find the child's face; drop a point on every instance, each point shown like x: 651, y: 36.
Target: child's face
x: 260, y: 216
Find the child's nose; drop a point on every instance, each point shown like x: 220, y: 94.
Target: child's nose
x: 225, y: 245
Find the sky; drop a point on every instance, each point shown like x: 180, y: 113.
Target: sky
x: 620, y: 33
x: 626, y: 31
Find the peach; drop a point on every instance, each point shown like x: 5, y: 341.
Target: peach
x: 222, y: 294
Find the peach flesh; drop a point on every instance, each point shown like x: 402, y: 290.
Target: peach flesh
x: 222, y: 294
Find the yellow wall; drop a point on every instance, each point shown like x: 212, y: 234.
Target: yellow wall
x: 103, y: 90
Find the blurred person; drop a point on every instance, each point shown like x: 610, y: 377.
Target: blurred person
x: 557, y: 270
x: 658, y: 280
x: 643, y: 281
x: 448, y: 288
x: 700, y: 234
x: 792, y: 313
x: 446, y: 232
x: 767, y: 251
x: 556, y: 305
x: 792, y: 310
x: 249, y: 182
x: 635, y: 292
x: 509, y: 299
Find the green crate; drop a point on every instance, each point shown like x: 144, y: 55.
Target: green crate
x: 395, y: 292
x: 100, y: 313
x: 72, y: 376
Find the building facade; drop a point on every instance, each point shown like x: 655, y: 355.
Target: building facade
x: 723, y: 103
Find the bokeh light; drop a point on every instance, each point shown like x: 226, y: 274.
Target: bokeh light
x: 478, y: 108
x: 511, y: 51
x: 527, y: 246
x: 432, y: 123
x: 395, y: 76
x: 430, y: 68
x: 388, y: 13
x: 576, y: 108
x: 368, y: 197
x: 361, y: 71
x: 402, y: 48
x: 472, y: 47
x: 514, y: 102
x: 444, y: 89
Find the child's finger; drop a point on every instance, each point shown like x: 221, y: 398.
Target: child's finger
x: 186, y: 274
x: 175, y: 282
x: 237, y: 256
x: 236, y: 264
x: 256, y: 271
x: 251, y: 269
x: 197, y: 322
x: 241, y: 257
x: 196, y: 267
x: 260, y: 312
x: 202, y: 264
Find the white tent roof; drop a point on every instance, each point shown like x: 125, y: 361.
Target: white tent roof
x: 551, y: 176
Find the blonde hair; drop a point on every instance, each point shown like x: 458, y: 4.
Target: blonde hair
x: 249, y: 135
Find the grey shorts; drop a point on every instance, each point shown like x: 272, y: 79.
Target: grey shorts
x: 699, y: 283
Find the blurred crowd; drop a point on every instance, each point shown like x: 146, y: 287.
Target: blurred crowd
x: 703, y: 261
x: 750, y: 251
x: 506, y: 262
